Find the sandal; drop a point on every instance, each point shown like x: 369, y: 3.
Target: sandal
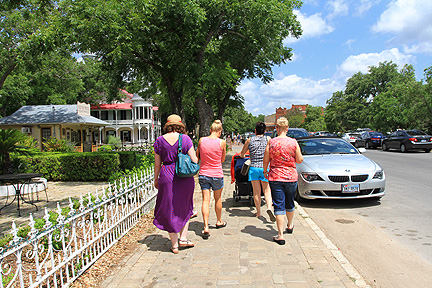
x: 271, y: 215
x: 205, y: 235
x: 186, y: 243
x: 278, y: 241
x: 174, y: 250
x: 221, y: 225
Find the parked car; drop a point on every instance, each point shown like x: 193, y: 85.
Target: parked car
x: 333, y: 169
x: 406, y: 140
x: 293, y: 133
x: 370, y: 139
x: 322, y: 133
x: 351, y: 137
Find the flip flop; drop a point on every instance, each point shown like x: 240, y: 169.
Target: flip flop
x: 194, y: 214
x: 279, y: 241
x: 205, y: 235
x: 271, y: 215
x: 221, y: 225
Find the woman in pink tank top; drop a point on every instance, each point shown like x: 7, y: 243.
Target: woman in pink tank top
x: 211, y: 152
x: 282, y: 153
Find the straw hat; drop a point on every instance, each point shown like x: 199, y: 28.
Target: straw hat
x: 174, y: 119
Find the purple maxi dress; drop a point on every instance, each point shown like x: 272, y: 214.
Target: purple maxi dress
x: 174, y: 202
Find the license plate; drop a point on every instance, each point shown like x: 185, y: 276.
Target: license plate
x: 423, y: 140
x: 354, y: 188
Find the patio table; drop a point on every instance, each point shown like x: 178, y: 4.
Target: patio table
x: 18, y: 181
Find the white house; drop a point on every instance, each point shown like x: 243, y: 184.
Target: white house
x: 134, y: 120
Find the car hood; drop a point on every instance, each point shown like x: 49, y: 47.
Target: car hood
x: 337, y: 163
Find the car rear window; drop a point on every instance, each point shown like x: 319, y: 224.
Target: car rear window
x: 415, y: 132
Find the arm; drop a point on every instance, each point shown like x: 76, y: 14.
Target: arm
x: 245, y: 148
x: 298, y: 155
x: 198, y: 149
x: 193, y: 155
x: 223, y: 146
x: 157, y: 168
x: 266, y: 160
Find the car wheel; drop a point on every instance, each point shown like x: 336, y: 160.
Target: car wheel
x: 427, y: 150
x: 384, y: 147
x: 367, y: 145
x: 403, y: 148
x: 356, y: 145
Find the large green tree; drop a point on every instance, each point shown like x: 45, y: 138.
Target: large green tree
x: 186, y: 49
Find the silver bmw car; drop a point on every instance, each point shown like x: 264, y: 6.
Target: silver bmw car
x: 334, y: 169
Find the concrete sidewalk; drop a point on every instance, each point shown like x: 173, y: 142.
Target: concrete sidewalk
x: 239, y: 255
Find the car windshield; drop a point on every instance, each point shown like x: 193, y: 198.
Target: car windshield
x: 320, y: 146
x: 415, y: 132
x: 297, y: 133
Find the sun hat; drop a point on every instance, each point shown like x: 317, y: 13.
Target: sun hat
x: 174, y: 119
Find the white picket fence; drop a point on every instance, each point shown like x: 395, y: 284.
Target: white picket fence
x: 61, y: 252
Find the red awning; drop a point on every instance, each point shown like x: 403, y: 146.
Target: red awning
x: 120, y: 106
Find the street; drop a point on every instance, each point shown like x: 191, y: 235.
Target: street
x: 389, y: 241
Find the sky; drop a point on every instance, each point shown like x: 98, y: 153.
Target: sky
x: 339, y: 39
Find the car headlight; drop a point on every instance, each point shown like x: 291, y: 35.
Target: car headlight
x: 310, y: 176
x: 379, y: 175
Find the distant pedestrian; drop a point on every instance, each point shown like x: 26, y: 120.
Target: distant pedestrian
x: 211, y: 152
x: 256, y: 146
x: 282, y: 153
x: 174, y: 202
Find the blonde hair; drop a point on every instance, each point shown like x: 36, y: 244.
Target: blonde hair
x: 282, y: 122
x: 216, y: 126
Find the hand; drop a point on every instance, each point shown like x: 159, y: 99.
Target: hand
x: 156, y: 183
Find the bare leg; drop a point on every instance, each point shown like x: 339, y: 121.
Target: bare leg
x: 257, y: 196
x: 205, y: 209
x: 267, y: 194
x: 184, y: 231
x: 290, y: 216
x: 218, y: 205
x: 280, y: 223
x: 174, y: 239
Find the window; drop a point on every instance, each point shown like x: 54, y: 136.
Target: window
x: 146, y: 116
x: 46, y: 133
x: 122, y: 114
x: 95, y: 114
x: 141, y: 112
x: 104, y: 115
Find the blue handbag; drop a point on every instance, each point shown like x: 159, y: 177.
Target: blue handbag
x: 184, y: 166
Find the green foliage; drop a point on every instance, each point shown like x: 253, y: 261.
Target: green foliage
x: 105, y: 148
x: 10, y: 142
x: 58, y: 145
x: 114, y: 141
x: 314, y: 120
x: 385, y: 99
x: 238, y: 120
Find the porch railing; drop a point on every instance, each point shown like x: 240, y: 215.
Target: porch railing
x: 60, y: 252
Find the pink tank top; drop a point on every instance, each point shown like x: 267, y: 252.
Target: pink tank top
x: 210, y: 155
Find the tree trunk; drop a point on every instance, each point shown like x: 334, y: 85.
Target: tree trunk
x: 176, y: 100
x: 205, y: 116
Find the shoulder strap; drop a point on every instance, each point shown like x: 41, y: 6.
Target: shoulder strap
x: 180, y: 143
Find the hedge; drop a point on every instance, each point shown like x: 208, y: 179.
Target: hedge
x: 74, y: 166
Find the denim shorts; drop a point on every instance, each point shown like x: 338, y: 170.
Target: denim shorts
x: 283, y: 196
x: 256, y: 173
x: 206, y: 183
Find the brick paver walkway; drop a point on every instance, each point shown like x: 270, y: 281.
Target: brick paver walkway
x: 239, y: 255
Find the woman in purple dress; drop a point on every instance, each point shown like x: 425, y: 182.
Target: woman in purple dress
x: 174, y: 203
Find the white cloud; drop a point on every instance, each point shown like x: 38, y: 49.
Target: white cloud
x: 292, y: 89
x: 364, y: 6
x: 312, y: 26
x: 337, y: 8
x: 362, y: 62
x: 410, y: 21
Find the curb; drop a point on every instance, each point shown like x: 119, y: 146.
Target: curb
x: 346, y: 265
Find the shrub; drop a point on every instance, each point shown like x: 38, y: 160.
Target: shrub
x: 58, y: 145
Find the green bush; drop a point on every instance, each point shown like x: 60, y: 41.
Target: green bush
x: 105, y: 148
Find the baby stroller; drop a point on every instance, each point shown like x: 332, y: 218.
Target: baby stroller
x: 243, y: 187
